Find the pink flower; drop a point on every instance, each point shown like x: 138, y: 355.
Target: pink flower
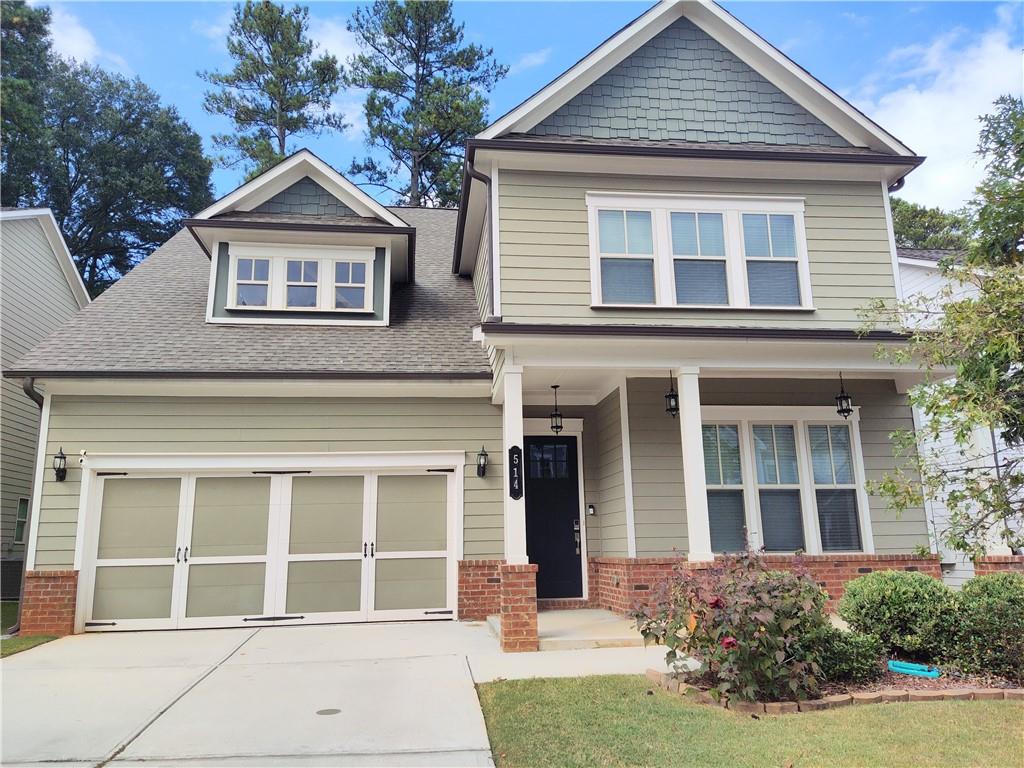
x: 729, y: 643
x: 716, y: 602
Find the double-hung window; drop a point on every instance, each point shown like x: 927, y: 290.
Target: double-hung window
x: 770, y: 249
x: 784, y: 479
x: 835, y: 490
x: 21, y: 521
x: 626, y: 243
x: 724, y: 477
x: 300, y: 278
x: 691, y: 252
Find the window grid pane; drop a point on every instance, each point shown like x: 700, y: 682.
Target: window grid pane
x: 727, y: 521
x: 842, y: 455
x: 639, y: 233
x: 712, y: 463
x: 837, y: 519
x: 627, y: 281
x: 783, y: 236
x: 684, y: 234
x: 700, y: 281
x: 712, y: 234
x: 755, y: 235
x: 773, y: 284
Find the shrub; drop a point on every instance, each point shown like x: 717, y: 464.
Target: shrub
x: 988, y: 630
x: 746, y: 624
x: 908, y: 611
x: 848, y: 657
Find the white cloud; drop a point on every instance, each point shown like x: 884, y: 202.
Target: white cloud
x: 930, y: 96
x: 350, y: 105
x: 331, y: 36
x: 215, y: 30
x: 71, y: 40
x: 530, y: 60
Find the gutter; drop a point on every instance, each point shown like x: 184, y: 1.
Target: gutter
x: 460, y: 223
x: 684, y: 332
x: 28, y: 386
x: 474, y: 173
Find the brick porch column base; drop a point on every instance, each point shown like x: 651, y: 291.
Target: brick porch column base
x: 519, y: 607
x: 479, y: 589
x: 998, y: 563
x: 49, y: 603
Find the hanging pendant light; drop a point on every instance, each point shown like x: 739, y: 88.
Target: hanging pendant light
x: 556, y: 415
x: 671, y: 398
x: 844, y: 403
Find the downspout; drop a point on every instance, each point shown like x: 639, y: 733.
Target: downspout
x: 475, y: 174
x: 28, y: 386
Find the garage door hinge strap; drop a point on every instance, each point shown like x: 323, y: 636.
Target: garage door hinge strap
x: 111, y: 474
x: 281, y: 472
x: 434, y: 613
x: 449, y: 469
x: 273, y: 618
x: 101, y: 623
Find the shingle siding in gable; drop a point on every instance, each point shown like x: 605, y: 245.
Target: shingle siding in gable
x: 307, y: 198
x: 683, y: 85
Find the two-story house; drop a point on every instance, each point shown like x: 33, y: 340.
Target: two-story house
x: 310, y: 407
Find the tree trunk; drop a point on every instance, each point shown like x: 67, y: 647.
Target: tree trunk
x: 414, y: 180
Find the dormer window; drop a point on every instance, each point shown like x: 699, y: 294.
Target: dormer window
x: 301, y: 278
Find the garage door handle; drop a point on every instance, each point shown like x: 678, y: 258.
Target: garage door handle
x: 371, y: 549
x: 364, y: 549
x: 177, y: 555
x: 186, y: 554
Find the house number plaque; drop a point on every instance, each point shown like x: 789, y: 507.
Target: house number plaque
x: 515, y: 472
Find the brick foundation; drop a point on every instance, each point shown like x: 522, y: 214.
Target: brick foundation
x: 519, y: 607
x: 998, y: 563
x: 49, y: 603
x: 479, y: 589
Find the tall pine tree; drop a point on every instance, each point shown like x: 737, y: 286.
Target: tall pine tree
x: 427, y: 95
x: 276, y: 89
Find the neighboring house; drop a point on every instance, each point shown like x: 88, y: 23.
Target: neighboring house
x: 278, y: 417
x: 921, y: 276
x: 39, y: 291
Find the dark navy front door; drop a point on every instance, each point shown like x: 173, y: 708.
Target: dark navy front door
x: 553, y: 535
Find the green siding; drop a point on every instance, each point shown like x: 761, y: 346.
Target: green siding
x: 482, y: 274
x: 684, y: 85
x: 545, y: 257
x: 659, y: 507
x: 305, y: 198
x: 608, y: 477
x: 35, y: 299
x: 280, y: 425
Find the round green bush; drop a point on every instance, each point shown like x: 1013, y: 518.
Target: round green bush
x: 907, y: 610
x: 988, y: 630
x: 848, y: 657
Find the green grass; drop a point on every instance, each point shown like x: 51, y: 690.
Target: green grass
x: 613, y: 721
x: 8, y: 616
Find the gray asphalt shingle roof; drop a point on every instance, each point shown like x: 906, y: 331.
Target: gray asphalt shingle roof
x: 925, y: 254
x: 153, y: 321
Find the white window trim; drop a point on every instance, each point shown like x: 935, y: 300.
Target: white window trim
x: 280, y: 255
x: 800, y: 418
x: 731, y: 207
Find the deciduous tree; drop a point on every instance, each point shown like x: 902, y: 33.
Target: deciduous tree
x: 917, y: 226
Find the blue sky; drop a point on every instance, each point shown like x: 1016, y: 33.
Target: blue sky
x: 924, y: 70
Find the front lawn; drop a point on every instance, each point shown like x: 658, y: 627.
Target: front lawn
x: 8, y: 616
x: 614, y: 720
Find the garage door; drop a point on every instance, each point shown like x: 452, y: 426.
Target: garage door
x: 264, y: 548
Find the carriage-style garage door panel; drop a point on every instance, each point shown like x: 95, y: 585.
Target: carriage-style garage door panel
x: 198, y: 550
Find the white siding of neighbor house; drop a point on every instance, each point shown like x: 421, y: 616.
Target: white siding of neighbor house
x: 545, y: 257
x: 35, y: 299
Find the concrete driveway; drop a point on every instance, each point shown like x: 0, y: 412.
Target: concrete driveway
x: 338, y: 695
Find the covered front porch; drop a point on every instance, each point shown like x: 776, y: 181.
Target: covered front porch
x: 674, y: 464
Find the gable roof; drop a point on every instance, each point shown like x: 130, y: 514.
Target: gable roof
x: 152, y: 323
x: 931, y: 255
x: 56, y: 240
x: 293, y: 169
x: 796, y: 83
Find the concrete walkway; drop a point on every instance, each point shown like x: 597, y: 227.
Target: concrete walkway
x: 338, y: 695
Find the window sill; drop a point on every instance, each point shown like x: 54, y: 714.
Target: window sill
x: 284, y: 311
x: 703, y: 308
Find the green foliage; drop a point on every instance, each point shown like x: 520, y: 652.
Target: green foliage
x: 848, y: 657
x: 917, y: 226
x: 426, y: 96
x: 276, y: 89
x: 973, y: 327
x: 122, y: 172
x: 907, y: 611
x: 988, y: 631
x: 25, y: 66
x: 747, y: 625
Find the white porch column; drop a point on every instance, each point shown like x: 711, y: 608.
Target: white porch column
x: 697, y: 525
x: 515, y: 509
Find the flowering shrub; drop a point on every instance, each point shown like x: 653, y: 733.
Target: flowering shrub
x: 747, y: 626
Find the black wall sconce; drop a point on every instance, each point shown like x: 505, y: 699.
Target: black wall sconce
x: 671, y: 398
x: 556, y: 415
x: 60, y: 465
x: 481, y: 463
x: 844, y: 403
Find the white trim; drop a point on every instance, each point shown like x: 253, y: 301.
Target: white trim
x: 268, y: 462
x: 753, y: 50
x: 495, y: 235
x: 912, y: 262
x: 37, y: 484
x: 573, y: 428
x: 298, y: 387
x: 799, y: 417
x: 514, y: 510
x: 60, y: 249
x: 627, y: 468
x: 891, y: 234
x: 289, y: 171
x: 731, y: 208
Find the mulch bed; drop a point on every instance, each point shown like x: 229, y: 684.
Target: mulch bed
x: 950, y: 679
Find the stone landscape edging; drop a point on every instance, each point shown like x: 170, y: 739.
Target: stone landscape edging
x: 882, y: 696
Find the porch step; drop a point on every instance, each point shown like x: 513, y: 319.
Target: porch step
x: 578, y: 629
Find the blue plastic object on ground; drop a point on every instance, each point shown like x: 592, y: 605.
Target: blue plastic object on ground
x: 918, y: 670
